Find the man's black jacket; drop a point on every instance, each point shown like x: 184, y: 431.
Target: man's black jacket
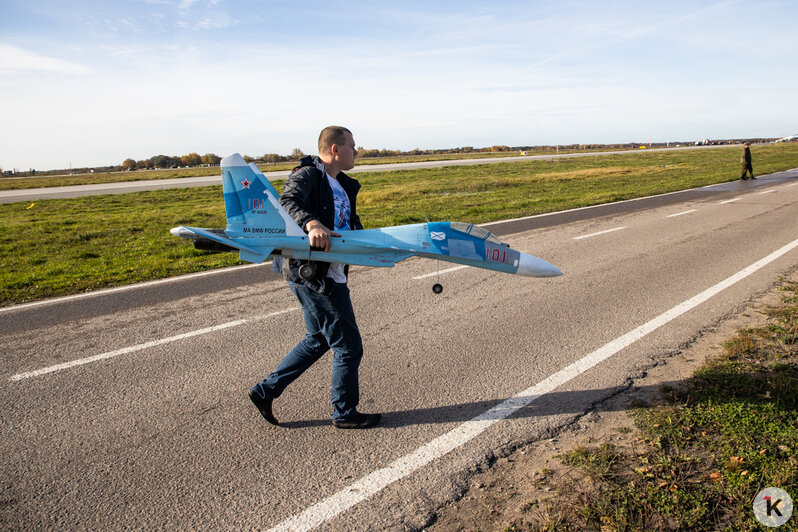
x: 307, y: 196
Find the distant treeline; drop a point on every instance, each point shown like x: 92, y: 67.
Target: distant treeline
x: 176, y: 161
x: 211, y: 159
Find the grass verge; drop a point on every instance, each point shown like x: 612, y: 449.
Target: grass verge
x: 489, y: 192
x: 708, y: 449
x: 60, y: 247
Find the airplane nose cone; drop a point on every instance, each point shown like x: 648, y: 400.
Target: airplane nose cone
x: 534, y: 267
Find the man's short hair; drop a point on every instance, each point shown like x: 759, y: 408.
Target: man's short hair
x: 332, y: 135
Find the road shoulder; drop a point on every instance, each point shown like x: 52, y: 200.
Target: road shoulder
x: 515, y: 490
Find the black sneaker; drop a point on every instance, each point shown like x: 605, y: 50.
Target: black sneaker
x: 264, y: 405
x: 358, y: 421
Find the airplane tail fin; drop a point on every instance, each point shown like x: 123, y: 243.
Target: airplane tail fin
x: 253, y: 215
x: 250, y: 202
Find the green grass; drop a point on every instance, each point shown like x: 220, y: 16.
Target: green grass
x: 483, y: 193
x: 710, y: 448
x: 59, y: 247
x: 62, y: 247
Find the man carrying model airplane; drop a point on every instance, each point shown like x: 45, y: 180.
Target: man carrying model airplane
x: 322, y: 199
x: 314, y: 226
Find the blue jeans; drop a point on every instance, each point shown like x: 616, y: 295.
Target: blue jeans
x: 330, y: 321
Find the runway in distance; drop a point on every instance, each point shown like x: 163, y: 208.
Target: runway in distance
x: 259, y: 228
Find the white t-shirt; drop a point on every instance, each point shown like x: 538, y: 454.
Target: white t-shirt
x: 342, y: 213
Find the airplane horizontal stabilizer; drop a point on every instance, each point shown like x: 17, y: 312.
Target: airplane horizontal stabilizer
x: 223, y: 240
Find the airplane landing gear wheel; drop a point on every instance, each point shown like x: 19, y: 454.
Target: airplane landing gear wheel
x: 437, y: 288
x: 307, y: 271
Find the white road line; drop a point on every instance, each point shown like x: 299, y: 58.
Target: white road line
x: 729, y: 201
x: 336, y: 504
x: 790, y: 185
x: 126, y: 287
x: 681, y: 213
x: 599, y: 233
x: 767, y: 191
x: 436, y: 273
x: 141, y: 347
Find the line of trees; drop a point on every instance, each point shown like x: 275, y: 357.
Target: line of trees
x: 166, y: 161
x: 209, y: 159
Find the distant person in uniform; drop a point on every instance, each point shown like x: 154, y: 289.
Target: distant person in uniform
x: 745, y: 159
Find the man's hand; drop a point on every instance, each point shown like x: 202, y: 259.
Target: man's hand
x: 319, y: 235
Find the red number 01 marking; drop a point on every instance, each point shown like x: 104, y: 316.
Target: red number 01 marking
x: 495, y: 255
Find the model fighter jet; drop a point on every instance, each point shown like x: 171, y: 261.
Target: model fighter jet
x: 258, y: 228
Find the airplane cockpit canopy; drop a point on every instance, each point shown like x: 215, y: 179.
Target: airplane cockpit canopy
x: 476, y: 231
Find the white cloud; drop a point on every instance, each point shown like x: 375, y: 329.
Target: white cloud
x: 14, y: 59
x: 203, y: 75
x: 217, y: 21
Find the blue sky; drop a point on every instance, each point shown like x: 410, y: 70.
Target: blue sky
x: 88, y: 83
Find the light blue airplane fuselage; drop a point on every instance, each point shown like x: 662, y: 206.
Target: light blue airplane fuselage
x: 258, y: 226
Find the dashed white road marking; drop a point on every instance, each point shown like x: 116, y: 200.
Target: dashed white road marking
x: 729, y: 201
x: 141, y: 347
x: 681, y: 213
x: 767, y: 191
x: 334, y: 505
x: 599, y: 233
x: 447, y: 270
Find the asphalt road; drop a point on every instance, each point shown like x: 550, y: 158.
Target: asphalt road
x: 128, y: 408
x: 74, y: 191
